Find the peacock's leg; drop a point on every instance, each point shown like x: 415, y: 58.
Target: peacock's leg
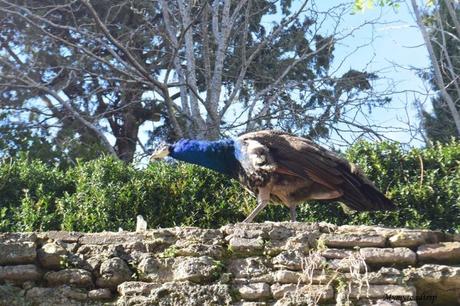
x: 263, y: 197
x: 293, y: 212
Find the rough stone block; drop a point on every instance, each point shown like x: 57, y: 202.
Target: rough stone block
x: 252, y: 304
x: 12, y: 253
x: 444, y: 252
x: 280, y: 290
x: 202, y: 235
x: 13, y: 295
x: 353, y: 240
x: 436, y: 280
x: 63, y: 295
x: 302, y: 226
x: 136, y: 288
x: 337, y: 253
x: 18, y: 237
x: 292, y: 277
x: 61, y: 236
x: 302, y: 241
x: 111, y: 238
x: 196, y: 269
x: 365, y: 229
x: 412, y: 238
x: 388, y: 256
x: 51, y: 255
x: 291, y: 260
x: 246, y: 246
x: 381, y: 291
x: 379, y: 302
x: 100, y: 294
x: 156, y: 269
x: 185, y: 248
x: 348, y: 264
x: 280, y: 233
x: 254, y: 291
x: 385, y: 276
x: 113, y: 272
x: 247, y: 267
x: 20, y: 273
x: 287, y: 277
x: 291, y: 292
x: 75, y: 277
x: 247, y: 230
x: 178, y: 293
x: 296, y: 261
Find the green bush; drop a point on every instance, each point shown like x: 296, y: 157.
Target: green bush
x: 29, y: 193
x: 424, y: 184
x: 110, y: 194
x: 106, y: 194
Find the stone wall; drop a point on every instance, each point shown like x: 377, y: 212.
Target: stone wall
x: 241, y: 264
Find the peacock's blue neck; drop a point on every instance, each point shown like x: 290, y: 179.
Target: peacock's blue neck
x: 216, y: 155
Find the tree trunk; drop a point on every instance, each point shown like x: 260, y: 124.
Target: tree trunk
x: 125, y: 145
x: 437, y: 70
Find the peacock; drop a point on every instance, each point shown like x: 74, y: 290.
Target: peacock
x: 280, y: 167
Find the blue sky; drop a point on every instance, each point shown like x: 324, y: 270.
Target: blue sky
x: 386, y: 41
x: 394, y: 49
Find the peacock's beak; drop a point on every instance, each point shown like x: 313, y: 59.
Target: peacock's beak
x: 159, y: 153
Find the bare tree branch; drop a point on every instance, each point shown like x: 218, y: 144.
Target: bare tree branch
x: 437, y: 71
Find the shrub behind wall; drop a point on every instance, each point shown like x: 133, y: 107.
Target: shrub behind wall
x: 106, y: 194
x: 29, y: 193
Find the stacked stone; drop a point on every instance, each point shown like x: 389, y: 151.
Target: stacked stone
x: 241, y: 264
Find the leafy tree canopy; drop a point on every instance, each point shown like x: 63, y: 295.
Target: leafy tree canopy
x: 95, y: 74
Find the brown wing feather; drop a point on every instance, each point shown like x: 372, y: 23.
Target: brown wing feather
x: 300, y: 156
x: 306, y: 159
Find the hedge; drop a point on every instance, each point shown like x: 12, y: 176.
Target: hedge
x: 107, y: 194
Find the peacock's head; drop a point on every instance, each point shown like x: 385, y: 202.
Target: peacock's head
x: 161, y: 151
